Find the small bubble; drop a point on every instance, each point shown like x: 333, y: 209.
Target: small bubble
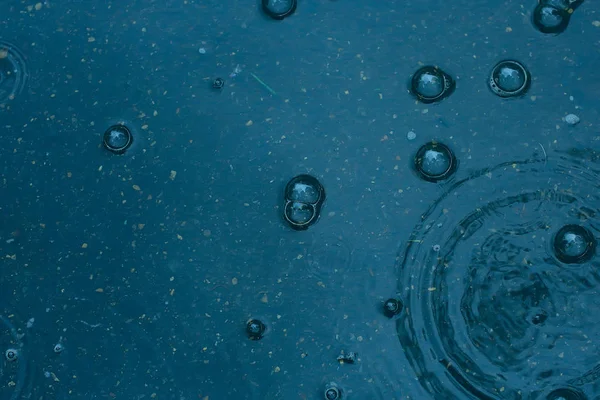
x: 11, y: 354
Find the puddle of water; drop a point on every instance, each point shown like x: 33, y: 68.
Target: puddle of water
x: 147, y: 266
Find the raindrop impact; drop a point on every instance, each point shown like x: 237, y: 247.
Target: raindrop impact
x: 13, y: 72
x: 493, y: 298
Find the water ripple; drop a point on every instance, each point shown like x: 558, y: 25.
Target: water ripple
x: 490, y: 312
x: 13, y: 72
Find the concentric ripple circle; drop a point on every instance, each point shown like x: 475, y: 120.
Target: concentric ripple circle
x: 491, y: 313
x: 13, y: 72
x: 12, y: 373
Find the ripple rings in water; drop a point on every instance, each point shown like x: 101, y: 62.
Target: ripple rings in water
x: 493, y: 314
x: 13, y: 72
x: 13, y: 368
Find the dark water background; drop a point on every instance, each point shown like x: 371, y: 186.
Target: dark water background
x: 147, y: 266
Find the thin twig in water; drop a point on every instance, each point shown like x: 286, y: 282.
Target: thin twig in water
x: 262, y: 83
x: 545, y: 155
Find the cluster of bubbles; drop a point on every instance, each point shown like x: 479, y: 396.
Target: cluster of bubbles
x: 12, y: 354
x: 433, y: 162
x: 256, y: 329
x: 304, y: 197
x: 15, y: 380
x: 549, y: 16
x: 508, y: 78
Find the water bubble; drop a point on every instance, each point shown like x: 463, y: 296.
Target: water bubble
x: 430, y: 84
x: 332, y: 392
x: 304, y: 192
x: 574, y: 244
x: 279, y: 9
x: 509, y: 78
x: 117, y: 139
x: 11, y: 355
x: 550, y: 19
x: 218, y: 83
x: 435, y: 162
x: 304, y: 196
x: 299, y: 214
x: 255, y: 329
x: 392, y: 307
x: 15, y: 380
